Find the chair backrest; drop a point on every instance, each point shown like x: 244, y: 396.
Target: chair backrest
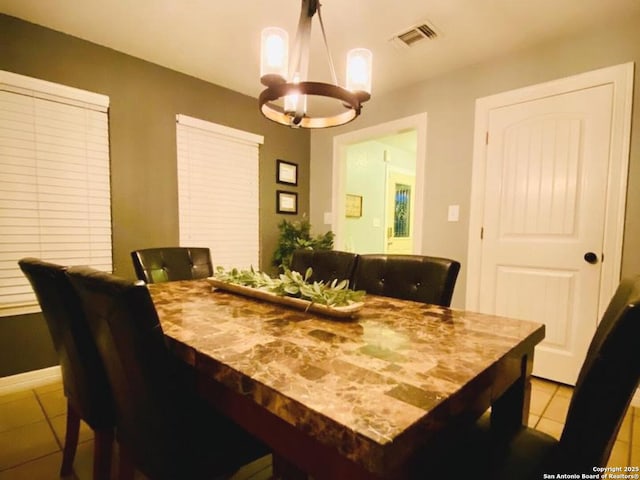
x: 606, y: 383
x: 409, y: 277
x: 126, y: 328
x: 83, y: 375
x: 327, y: 265
x: 166, y: 264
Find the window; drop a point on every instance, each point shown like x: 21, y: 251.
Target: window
x: 401, y: 213
x: 218, y: 191
x: 54, y: 182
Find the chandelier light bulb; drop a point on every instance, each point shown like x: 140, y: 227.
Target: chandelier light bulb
x: 291, y: 101
x: 359, y: 70
x: 274, y: 53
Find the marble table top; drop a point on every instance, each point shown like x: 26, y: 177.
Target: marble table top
x: 364, y: 385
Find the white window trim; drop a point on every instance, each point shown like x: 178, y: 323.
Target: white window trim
x: 250, y: 138
x: 13, y: 82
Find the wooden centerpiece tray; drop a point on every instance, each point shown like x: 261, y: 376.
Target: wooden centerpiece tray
x: 297, y: 303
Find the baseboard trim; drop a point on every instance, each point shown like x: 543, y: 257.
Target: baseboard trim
x: 32, y: 379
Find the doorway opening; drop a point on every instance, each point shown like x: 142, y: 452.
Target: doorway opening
x: 378, y: 179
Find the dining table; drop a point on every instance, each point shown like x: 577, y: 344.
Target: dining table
x: 366, y: 397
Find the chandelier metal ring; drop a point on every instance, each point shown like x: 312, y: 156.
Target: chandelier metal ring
x: 350, y: 100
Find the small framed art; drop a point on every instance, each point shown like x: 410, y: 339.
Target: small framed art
x: 286, y: 202
x: 286, y: 172
x: 354, y: 206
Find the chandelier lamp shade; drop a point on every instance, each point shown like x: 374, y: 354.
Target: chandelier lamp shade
x: 284, y: 73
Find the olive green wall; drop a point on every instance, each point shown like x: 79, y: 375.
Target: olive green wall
x: 449, y: 101
x: 145, y: 99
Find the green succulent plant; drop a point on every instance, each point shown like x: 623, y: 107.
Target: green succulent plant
x: 294, y: 284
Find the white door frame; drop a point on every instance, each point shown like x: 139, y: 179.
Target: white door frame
x: 621, y: 76
x: 341, y: 142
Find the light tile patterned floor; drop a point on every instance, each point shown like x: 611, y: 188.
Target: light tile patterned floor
x: 32, y: 427
x: 32, y: 424
x: 549, y: 405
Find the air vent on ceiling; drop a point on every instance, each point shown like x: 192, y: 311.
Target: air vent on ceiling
x: 415, y: 34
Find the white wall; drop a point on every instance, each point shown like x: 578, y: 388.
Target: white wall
x: 366, y: 175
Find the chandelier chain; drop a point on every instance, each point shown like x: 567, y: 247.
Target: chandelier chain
x: 326, y: 45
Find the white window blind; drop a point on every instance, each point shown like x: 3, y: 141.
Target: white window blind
x: 218, y: 191
x: 54, y: 182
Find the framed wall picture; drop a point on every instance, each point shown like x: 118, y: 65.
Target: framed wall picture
x: 286, y: 202
x: 286, y: 172
x: 354, y: 206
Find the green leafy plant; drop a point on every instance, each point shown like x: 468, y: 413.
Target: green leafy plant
x: 293, y: 284
x: 294, y: 235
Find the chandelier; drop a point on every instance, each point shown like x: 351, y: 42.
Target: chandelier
x: 285, y: 77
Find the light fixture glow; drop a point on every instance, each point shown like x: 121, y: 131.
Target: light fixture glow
x: 359, y: 70
x: 291, y: 101
x: 290, y: 82
x: 274, y: 52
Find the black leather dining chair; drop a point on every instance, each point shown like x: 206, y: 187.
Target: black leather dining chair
x: 606, y: 384
x: 166, y: 264
x: 408, y: 277
x: 163, y: 428
x: 83, y: 377
x: 326, y: 265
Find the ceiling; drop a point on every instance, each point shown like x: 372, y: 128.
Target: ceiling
x: 219, y: 41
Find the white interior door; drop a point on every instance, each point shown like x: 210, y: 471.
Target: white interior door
x: 544, y: 216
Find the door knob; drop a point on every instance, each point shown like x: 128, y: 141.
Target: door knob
x: 591, y: 258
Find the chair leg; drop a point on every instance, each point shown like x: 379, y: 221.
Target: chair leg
x: 70, y: 440
x: 102, y: 450
x: 125, y: 467
x: 284, y: 469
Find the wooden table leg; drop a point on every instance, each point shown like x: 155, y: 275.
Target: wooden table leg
x: 284, y: 470
x: 511, y: 411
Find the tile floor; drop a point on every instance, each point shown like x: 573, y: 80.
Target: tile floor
x: 548, y: 410
x: 32, y: 428
x: 32, y: 424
